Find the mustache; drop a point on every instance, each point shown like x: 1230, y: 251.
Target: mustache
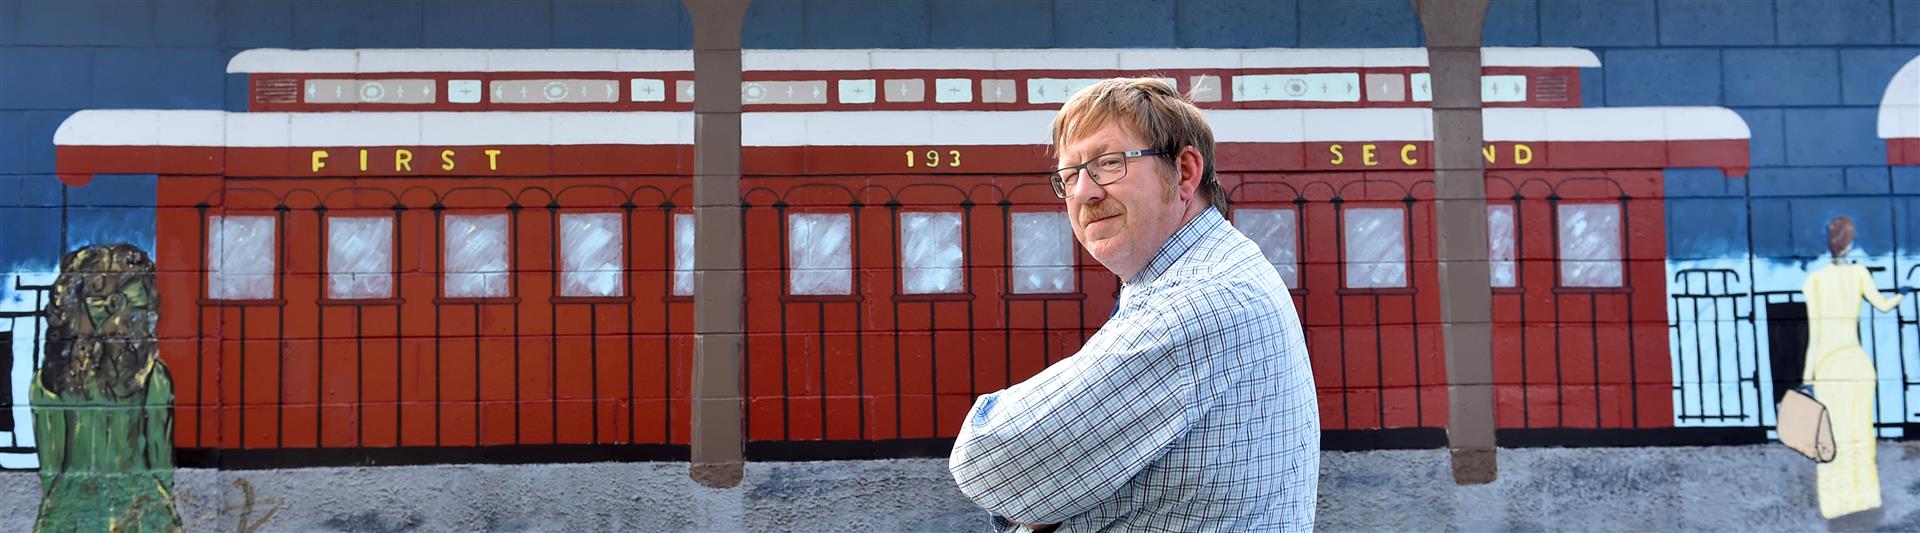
x: 1093, y: 212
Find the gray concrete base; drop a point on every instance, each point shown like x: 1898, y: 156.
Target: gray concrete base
x: 1734, y: 488
x: 1722, y: 488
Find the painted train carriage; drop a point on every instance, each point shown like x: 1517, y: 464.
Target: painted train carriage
x: 434, y: 255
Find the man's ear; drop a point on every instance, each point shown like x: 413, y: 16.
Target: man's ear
x: 1191, y: 167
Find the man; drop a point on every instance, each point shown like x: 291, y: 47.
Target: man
x: 1193, y: 408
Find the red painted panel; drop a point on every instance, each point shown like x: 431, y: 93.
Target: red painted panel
x: 1903, y: 152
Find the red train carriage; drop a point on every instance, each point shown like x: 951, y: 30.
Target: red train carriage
x: 1581, y: 328
x: 903, y: 253
x: 413, y: 279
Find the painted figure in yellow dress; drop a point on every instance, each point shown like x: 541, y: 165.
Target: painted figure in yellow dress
x: 1842, y: 375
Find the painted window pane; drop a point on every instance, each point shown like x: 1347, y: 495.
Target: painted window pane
x: 1590, y: 245
x: 930, y: 256
x: 820, y: 253
x: 683, y: 255
x: 359, y: 257
x: 240, y: 258
x: 1042, y: 252
x: 590, y: 254
x: 1278, y: 236
x: 1376, y: 241
x: 1500, y: 246
x: 476, y: 262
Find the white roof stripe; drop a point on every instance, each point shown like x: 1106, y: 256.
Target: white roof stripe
x: 145, y: 127
x: 854, y: 128
x: 383, y: 60
x: 1900, y: 104
x: 276, y: 60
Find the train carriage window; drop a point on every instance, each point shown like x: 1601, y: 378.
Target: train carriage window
x: 930, y: 255
x: 1277, y: 233
x: 476, y: 256
x: 1042, y: 251
x: 1376, y: 245
x: 590, y: 249
x: 240, y: 257
x: 359, y: 257
x: 683, y: 254
x: 820, y: 253
x: 1590, y: 245
x: 1500, y: 246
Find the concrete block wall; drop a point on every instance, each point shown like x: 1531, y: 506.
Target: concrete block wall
x: 1806, y: 75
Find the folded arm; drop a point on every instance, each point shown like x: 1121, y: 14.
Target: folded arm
x: 1053, y: 447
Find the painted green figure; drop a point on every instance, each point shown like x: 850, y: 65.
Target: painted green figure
x: 103, y: 401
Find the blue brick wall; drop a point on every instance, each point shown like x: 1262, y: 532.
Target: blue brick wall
x: 1806, y: 75
x: 1359, y: 23
x: 480, y: 25
x: 1237, y: 25
x: 57, y: 57
x: 1781, y: 76
x: 1662, y: 76
x: 865, y: 24
x: 1864, y: 72
x: 1093, y: 23
x: 1597, y: 23
x: 1826, y: 22
x: 1906, y: 21
x: 1511, y: 23
x: 1017, y: 23
x: 1714, y: 22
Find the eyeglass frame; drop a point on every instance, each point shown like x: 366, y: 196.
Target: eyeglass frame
x: 1060, y: 185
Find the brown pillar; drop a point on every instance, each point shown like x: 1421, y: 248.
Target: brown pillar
x: 718, y: 300
x: 1452, y: 29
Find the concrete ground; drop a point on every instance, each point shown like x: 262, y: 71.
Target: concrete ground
x: 1731, y: 488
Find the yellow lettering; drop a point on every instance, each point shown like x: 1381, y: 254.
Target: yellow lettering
x: 446, y: 160
x: 1406, y: 155
x: 1522, y: 154
x: 1338, y: 157
x: 363, y: 160
x: 493, y: 160
x: 403, y: 160
x: 1487, y: 152
x: 319, y: 160
x: 1366, y: 155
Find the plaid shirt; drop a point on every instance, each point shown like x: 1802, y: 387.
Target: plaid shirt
x: 1192, y: 409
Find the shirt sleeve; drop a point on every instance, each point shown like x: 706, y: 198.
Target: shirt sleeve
x: 1069, y: 438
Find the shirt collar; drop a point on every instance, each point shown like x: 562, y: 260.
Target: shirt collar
x: 1177, y: 246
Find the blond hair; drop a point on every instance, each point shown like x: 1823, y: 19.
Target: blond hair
x: 1152, y: 109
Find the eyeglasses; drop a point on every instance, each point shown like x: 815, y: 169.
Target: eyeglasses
x: 1105, y: 169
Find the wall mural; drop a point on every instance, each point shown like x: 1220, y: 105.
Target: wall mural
x: 403, y: 256
x: 102, y: 400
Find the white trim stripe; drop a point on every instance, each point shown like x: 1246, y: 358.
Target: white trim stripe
x: 985, y: 128
x: 1900, y: 104
x: 143, y: 127
x: 278, y: 60
x: 854, y: 128
x: 381, y: 60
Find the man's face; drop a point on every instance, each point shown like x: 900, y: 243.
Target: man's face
x: 1122, y: 223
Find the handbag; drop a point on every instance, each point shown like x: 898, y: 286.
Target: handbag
x: 1805, y: 426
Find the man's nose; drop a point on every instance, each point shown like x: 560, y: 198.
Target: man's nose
x: 1085, y: 190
